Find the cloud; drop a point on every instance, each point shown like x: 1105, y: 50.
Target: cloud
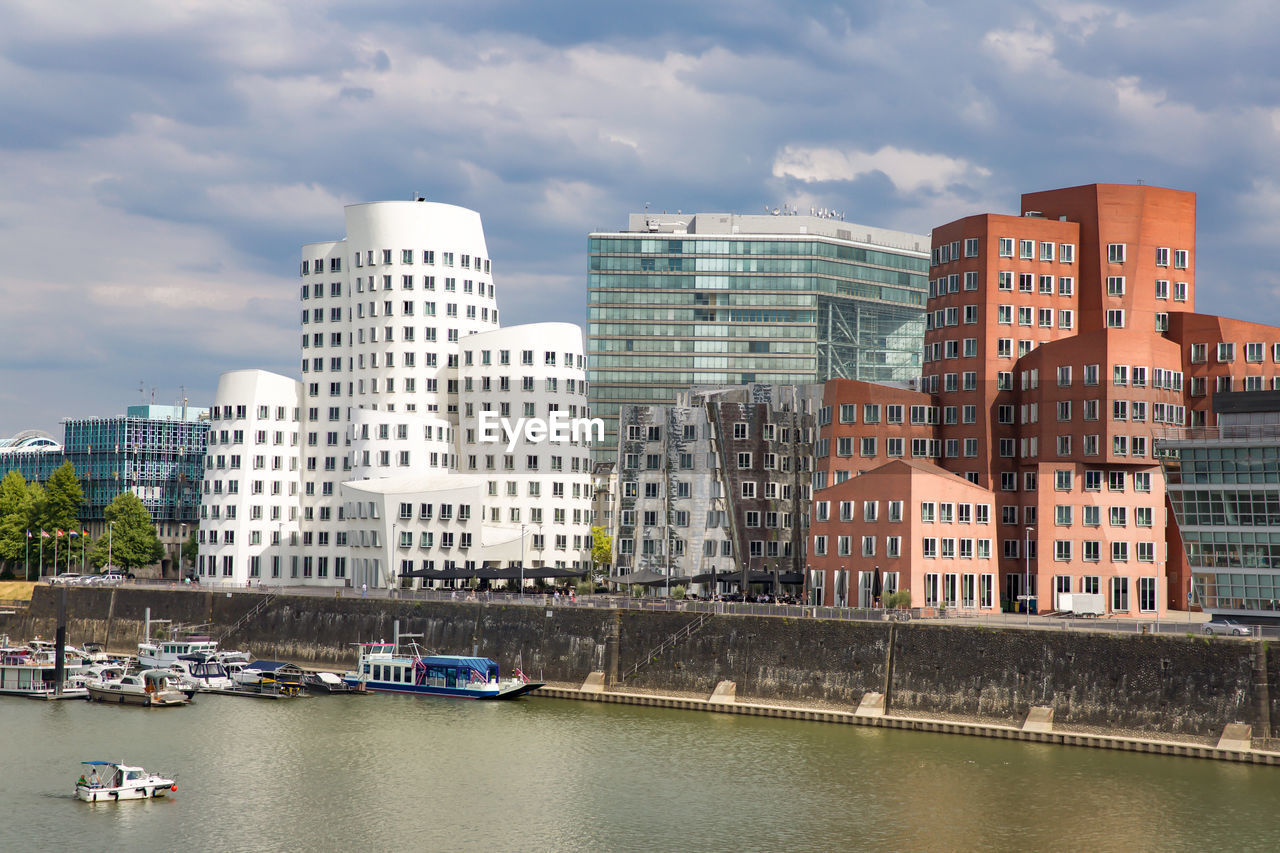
x: 164, y: 161
x: 909, y: 171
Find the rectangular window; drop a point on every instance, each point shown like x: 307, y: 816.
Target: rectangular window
x: 1006, y: 247
x: 1115, y: 253
x: 1115, y: 285
x: 1046, y: 251
x: 1027, y: 250
x: 1180, y: 259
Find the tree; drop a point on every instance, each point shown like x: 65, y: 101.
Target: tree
x: 59, y: 506
x: 601, y: 547
x: 15, y: 518
x: 191, y: 548
x: 131, y: 539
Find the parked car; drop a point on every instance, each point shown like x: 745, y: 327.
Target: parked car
x: 67, y: 578
x: 1226, y: 628
x: 116, y: 576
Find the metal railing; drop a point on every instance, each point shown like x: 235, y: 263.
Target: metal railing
x: 1175, y: 624
x: 669, y: 643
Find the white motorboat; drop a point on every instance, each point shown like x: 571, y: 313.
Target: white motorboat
x: 204, y: 672
x: 110, y: 781
x: 165, y: 653
x: 151, y: 688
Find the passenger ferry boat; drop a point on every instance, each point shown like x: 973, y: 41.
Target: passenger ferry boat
x: 382, y: 668
x: 30, y: 671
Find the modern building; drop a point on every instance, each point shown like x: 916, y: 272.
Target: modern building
x: 156, y: 452
x: 718, y: 482
x: 1224, y: 486
x: 422, y: 436
x: 679, y: 300
x: 1060, y: 342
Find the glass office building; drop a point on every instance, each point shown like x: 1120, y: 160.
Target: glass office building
x: 156, y: 452
x: 1224, y: 486
x: 723, y: 299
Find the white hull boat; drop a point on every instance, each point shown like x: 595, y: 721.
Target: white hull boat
x: 109, y: 782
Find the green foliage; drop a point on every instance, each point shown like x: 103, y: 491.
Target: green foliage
x: 191, y: 548
x: 584, y: 587
x: 15, y: 518
x: 131, y: 541
x: 896, y: 600
x: 601, y: 547
x: 59, y: 506
x: 637, y: 590
x: 677, y: 592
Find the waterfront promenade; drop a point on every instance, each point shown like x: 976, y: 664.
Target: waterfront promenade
x: 1176, y: 625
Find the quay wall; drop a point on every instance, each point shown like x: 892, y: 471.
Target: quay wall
x: 1188, y: 685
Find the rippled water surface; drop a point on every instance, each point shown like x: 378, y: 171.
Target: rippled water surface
x: 406, y: 773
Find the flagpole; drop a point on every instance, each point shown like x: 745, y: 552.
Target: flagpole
x: 41, y: 554
x: 26, y: 570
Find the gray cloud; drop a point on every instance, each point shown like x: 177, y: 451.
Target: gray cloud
x: 163, y: 163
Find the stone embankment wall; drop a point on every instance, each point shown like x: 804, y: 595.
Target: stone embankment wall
x: 1167, y: 684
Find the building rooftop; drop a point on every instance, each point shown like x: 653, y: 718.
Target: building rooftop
x: 771, y: 224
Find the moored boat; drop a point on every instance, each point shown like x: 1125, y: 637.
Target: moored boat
x: 151, y: 688
x: 382, y: 668
x: 32, y: 671
x: 163, y: 654
x: 326, y: 682
x: 111, y: 781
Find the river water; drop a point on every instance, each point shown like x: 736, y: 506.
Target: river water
x: 391, y: 773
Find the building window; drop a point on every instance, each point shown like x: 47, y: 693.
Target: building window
x: 1115, y: 253
x: 1226, y: 353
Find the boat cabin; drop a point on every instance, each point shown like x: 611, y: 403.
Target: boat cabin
x: 379, y: 663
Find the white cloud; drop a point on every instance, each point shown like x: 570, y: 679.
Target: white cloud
x: 1021, y: 50
x: 909, y: 171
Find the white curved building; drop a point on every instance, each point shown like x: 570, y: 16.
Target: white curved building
x: 402, y: 359
x: 249, y: 509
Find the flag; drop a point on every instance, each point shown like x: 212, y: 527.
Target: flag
x: 73, y: 533
x: 28, y: 534
x: 84, y: 533
x: 42, y: 533
x: 60, y: 533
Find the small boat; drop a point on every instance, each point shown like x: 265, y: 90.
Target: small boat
x: 203, y: 672
x: 164, y: 654
x: 382, y: 668
x: 110, y: 781
x: 271, y: 675
x: 326, y: 682
x: 151, y: 688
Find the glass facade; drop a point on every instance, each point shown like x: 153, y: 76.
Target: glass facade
x: 159, y: 460
x: 669, y: 311
x: 1224, y: 486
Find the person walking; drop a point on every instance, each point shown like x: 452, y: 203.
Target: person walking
x: 364, y: 590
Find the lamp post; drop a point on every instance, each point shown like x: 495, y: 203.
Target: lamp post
x: 111, y: 529
x: 1026, y: 590
x: 522, y: 562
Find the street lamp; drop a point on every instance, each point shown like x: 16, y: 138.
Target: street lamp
x: 522, y: 562
x: 1026, y: 591
x: 111, y: 529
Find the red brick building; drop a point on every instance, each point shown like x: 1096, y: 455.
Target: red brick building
x: 1059, y: 342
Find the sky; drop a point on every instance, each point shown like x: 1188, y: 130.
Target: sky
x: 162, y: 162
